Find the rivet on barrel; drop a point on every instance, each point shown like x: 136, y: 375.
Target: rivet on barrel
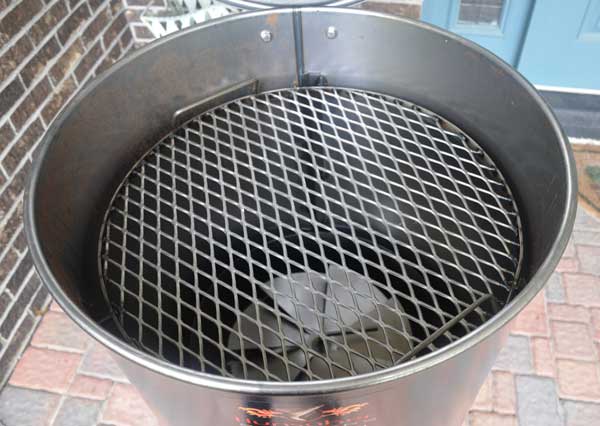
x: 266, y: 36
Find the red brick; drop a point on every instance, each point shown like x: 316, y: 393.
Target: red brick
x: 114, y: 30
x: 116, y: 6
x: 8, y: 262
x: 126, y: 39
x: 37, y: 64
x: 57, y: 331
x: 7, y: 134
x: 570, y: 250
x: 484, y: 401
x: 18, y: 151
x: 90, y: 387
x: 13, y: 316
x: 126, y: 407
x: 590, y: 237
x: 13, y: 349
x: 584, y: 220
x: 60, y: 97
x: 578, y: 413
x: 578, y: 380
x: 109, y: 59
x: 99, y: 362
x: 532, y: 320
x: 95, y: 4
x: 45, y: 370
x: 73, y: 23
x: 7, y: 199
x: 572, y: 340
x: 39, y: 304
x: 14, y: 56
x: 566, y: 312
x: 134, y: 15
x: 10, y: 95
x: 31, y: 103
x: 16, y: 280
x: 589, y: 259
x: 17, y: 18
x: 54, y: 307
x: 48, y: 22
x: 20, y: 243
x: 543, y: 358
x: 504, y: 393
x: 66, y: 62
x: 492, y: 419
x: 89, y: 61
x: 568, y: 264
x: 582, y: 289
x: 27, y: 407
x: 596, y: 323
x: 99, y: 23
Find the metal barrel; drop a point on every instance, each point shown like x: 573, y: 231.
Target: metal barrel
x: 303, y: 216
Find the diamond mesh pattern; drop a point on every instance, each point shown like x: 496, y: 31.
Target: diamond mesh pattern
x: 309, y: 234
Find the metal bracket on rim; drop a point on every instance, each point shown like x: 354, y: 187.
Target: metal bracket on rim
x: 313, y: 79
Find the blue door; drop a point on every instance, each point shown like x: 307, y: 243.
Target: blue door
x: 498, y: 25
x: 562, y: 47
x: 551, y: 42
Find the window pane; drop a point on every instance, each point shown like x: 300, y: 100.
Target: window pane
x: 487, y: 12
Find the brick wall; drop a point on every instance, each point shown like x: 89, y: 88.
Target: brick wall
x: 48, y: 49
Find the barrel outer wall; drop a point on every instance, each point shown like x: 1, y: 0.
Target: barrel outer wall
x: 437, y: 396
x: 115, y: 119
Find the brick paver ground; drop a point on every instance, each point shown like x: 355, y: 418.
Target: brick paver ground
x: 547, y: 375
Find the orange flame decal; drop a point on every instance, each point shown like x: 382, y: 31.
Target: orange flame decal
x: 261, y: 413
x: 342, y: 411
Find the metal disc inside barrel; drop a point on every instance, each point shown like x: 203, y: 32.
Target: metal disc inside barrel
x: 308, y: 234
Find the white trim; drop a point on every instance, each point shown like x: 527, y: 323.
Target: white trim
x: 568, y: 89
x: 584, y: 141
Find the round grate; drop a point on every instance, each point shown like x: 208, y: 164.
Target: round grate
x: 308, y: 234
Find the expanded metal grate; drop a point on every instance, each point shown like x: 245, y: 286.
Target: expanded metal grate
x: 309, y: 234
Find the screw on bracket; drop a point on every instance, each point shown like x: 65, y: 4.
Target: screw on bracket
x: 266, y: 36
x: 331, y: 32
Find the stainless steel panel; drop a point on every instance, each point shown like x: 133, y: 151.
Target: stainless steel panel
x: 439, y: 395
